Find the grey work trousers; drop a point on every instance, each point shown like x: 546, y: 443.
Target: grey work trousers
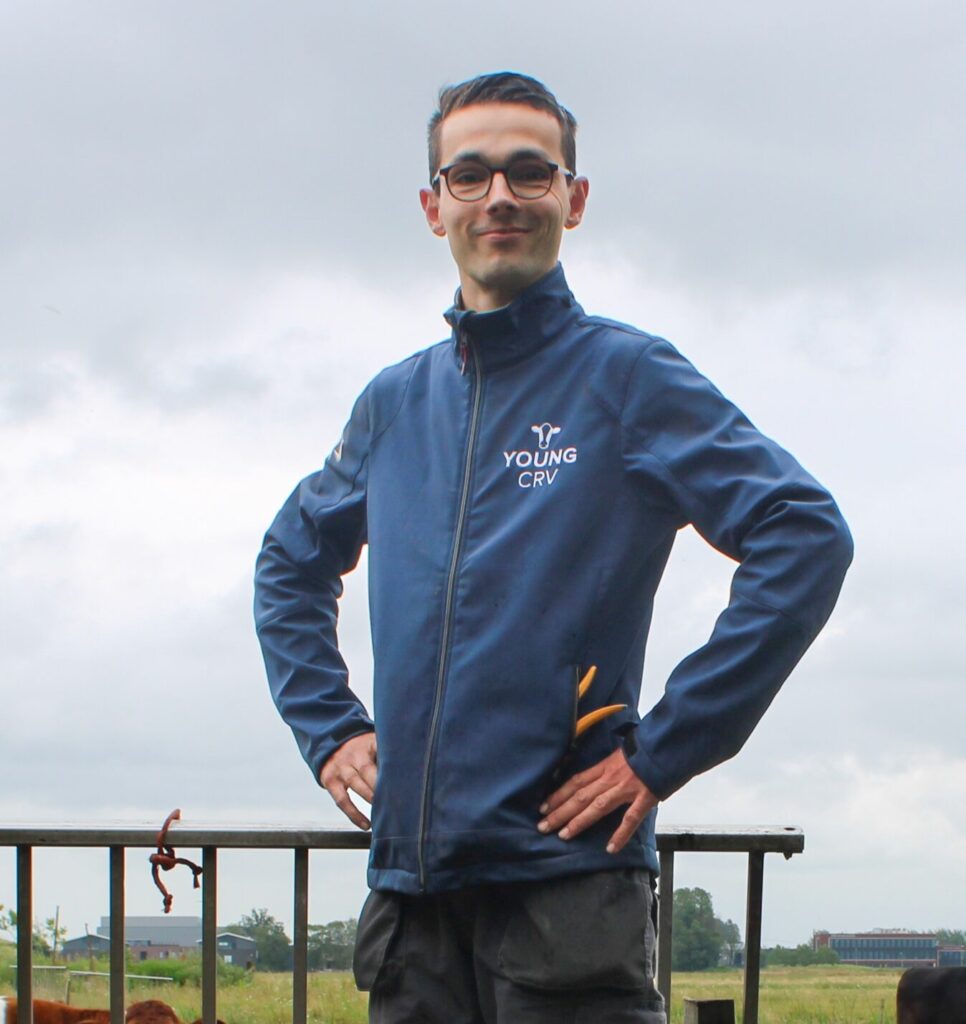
x: 574, y: 950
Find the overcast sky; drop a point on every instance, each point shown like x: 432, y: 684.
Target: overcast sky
x: 210, y: 240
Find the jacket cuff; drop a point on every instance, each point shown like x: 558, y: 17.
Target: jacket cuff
x: 646, y: 769
x: 331, y: 745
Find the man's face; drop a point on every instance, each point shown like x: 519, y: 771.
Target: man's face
x: 501, y: 243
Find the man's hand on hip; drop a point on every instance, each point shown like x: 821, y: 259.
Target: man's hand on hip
x: 595, y: 793
x: 352, y: 768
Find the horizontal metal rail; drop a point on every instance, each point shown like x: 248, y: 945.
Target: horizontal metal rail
x: 69, y: 972
x: 753, y: 841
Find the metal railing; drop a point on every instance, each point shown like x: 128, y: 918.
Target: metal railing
x: 69, y: 973
x: 756, y: 842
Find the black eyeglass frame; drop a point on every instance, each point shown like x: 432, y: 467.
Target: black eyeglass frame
x: 443, y: 173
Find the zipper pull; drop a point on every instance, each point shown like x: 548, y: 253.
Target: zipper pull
x: 464, y: 354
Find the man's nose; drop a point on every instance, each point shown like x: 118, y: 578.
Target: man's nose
x: 500, y: 194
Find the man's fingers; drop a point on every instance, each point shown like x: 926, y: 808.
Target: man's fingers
x: 340, y: 795
x: 569, y: 789
x: 595, y: 793
x: 590, y: 807
x: 361, y: 785
x: 630, y: 823
x: 368, y: 774
x: 580, y: 801
x: 352, y: 769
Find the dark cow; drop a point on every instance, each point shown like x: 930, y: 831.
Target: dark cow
x: 932, y: 995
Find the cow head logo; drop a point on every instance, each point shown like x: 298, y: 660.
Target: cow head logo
x: 544, y: 432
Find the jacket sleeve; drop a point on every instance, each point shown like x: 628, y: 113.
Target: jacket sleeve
x: 751, y: 500
x: 315, y: 539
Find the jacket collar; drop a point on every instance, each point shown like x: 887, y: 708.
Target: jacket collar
x: 506, y: 335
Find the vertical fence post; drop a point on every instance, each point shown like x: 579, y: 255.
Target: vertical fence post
x: 118, y: 988
x: 665, y: 924
x: 209, y: 934
x: 301, y: 937
x: 756, y: 878
x: 25, y: 934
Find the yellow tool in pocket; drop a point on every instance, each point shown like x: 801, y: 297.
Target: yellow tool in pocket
x: 583, y: 722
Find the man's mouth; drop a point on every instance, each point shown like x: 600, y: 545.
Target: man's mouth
x: 504, y: 231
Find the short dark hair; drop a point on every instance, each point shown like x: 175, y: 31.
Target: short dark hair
x: 502, y: 87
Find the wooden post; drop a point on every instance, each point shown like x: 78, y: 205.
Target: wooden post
x: 709, y: 1011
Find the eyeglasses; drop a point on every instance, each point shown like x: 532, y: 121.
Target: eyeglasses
x: 527, y: 178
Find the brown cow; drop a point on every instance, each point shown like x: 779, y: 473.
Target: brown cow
x: 152, y: 1011
x: 932, y: 995
x: 46, y: 1011
x: 148, y: 1011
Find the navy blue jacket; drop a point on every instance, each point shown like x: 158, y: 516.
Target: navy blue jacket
x: 520, y: 486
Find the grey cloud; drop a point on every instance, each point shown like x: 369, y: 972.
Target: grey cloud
x: 759, y: 144
x: 162, y: 171
x: 159, y: 169
x: 28, y: 389
x: 195, y: 387
x: 181, y: 692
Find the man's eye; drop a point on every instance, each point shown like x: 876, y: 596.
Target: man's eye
x: 467, y: 174
x: 530, y: 172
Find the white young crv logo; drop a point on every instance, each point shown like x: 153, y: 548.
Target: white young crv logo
x: 545, y: 433
x: 539, y: 467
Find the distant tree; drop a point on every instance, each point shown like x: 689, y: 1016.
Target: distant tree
x: 798, y: 956
x: 826, y: 955
x: 782, y: 956
x: 948, y: 937
x: 697, y: 941
x: 39, y: 943
x: 330, y: 945
x: 730, y: 938
x: 272, y: 945
x: 53, y: 934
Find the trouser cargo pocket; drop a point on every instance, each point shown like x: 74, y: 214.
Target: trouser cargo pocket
x: 583, y: 931
x: 373, y: 962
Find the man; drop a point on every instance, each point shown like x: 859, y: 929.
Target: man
x: 519, y: 486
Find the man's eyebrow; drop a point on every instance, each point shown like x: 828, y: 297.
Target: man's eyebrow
x: 517, y: 154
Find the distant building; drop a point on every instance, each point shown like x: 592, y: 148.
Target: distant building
x: 163, y: 938
x: 236, y: 949
x: 141, y: 951
x: 952, y: 956
x: 85, y: 946
x: 883, y: 947
x: 166, y: 931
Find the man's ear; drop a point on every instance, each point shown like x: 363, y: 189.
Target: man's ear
x: 429, y: 199
x: 579, y: 190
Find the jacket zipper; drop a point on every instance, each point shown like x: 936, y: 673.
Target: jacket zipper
x: 448, y: 605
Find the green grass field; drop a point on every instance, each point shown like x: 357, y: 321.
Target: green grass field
x: 789, y: 995
x: 799, y: 995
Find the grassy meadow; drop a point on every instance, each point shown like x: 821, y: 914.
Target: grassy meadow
x: 789, y: 995
x: 799, y: 995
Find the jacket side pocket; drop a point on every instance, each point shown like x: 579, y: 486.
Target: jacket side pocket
x: 379, y: 924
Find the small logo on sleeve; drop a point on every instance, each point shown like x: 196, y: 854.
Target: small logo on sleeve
x: 540, y: 466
